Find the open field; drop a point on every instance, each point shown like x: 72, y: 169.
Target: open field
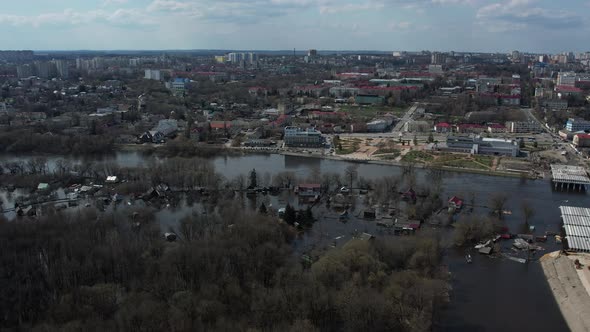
x: 367, y: 113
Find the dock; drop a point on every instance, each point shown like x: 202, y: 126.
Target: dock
x: 569, y: 177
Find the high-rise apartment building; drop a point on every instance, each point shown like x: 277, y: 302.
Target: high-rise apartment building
x: 63, y: 69
x: 152, y: 74
x: 437, y: 58
x: 42, y: 69
x: 24, y: 71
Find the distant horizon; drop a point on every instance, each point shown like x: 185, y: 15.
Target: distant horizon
x: 286, y: 50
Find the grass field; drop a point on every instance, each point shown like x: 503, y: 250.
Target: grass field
x: 348, y: 146
x: 417, y: 157
x: 366, y: 113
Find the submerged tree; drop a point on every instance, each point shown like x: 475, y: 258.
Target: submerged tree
x: 253, y: 179
x: 527, y: 211
x: 498, y: 203
x: 351, y: 173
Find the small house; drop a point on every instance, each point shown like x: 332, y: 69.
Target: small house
x: 112, y: 179
x: 455, y: 203
x: 369, y: 214
x: 43, y: 187
x: 26, y: 211
x: 409, y: 195
x: 309, y: 190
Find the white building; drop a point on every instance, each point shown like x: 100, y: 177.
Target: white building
x: 152, y: 74
x: 62, y: 67
x: 523, y: 127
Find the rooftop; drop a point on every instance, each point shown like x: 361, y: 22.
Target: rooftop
x: 570, y: 174
x: 576, y: 222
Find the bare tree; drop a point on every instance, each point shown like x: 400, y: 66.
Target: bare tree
x: 351, y: 173
x: 498, y: 202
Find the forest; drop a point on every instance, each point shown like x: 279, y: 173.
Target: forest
x: 228, y: 270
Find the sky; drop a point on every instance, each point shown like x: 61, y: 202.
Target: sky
x: 439, y: 25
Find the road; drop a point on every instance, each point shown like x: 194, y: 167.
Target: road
x: 398, y: 128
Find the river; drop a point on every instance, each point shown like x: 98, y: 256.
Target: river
x: 489, y: 294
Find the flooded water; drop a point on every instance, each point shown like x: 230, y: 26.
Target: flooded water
x: 488, y: 295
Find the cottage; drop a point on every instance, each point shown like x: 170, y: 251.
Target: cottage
x: 369, y: 214
x: 308, y: 190
x: 43, y: 187
x: 409, y: 195
x: 112, y: 179
x: 455, y: 203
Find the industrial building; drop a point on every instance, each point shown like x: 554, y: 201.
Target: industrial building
x: 576, y: 224
x: 299, y: 137
x: 480, y: 145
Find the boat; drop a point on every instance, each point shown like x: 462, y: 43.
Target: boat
x: 468, y: 258
x: 481, y: 245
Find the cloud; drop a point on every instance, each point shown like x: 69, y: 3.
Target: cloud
x: 106, y: 3
x: 72, y: 17
x: 523, y: 14
x: 399, y: 26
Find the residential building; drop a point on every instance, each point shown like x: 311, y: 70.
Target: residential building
x: 24, y: 71
x: 437, y: 58
x: 42, y: 69
x: 168, y: 127
x: 523, y: 127
x: 178, y: 86
x: 237, y: 58
x: 152, y: 74
x: 567, y: 90
x: 63, y: 69
x: 298, y: 137
x: 496, y: 128
x: 435, y: 69
x: 577, y: 124
x: 344, y: 91
x: 581, y: 140
x: 556, y: 104
x: 443, y: 127
x: 369, y: 100
x: 455, y: 203
x: 566, y: 78
x: 309, y: 190
x: 468, y: 128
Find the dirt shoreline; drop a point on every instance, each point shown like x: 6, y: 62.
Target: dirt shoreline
x: 568, y: 290
x: 400, y: 164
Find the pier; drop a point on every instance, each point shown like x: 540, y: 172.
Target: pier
x: 569, y: 177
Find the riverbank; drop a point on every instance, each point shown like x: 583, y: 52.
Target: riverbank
x: 569, y: 289
x: 401, y: 164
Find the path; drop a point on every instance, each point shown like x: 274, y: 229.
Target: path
x: 568, y: 290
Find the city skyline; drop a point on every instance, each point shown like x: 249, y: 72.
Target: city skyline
x: 461, y: 25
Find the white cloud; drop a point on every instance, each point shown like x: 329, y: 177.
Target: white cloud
x: 522, y: 14
x: 399, y: 26
x: 113, y: 2
x: 72, y: 17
